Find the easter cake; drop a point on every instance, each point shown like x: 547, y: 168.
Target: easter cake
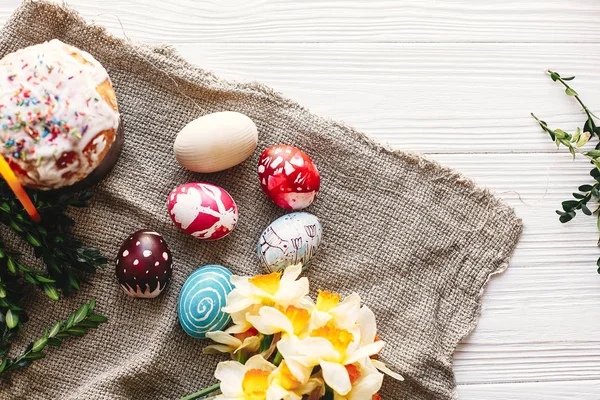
x: 59, y: 120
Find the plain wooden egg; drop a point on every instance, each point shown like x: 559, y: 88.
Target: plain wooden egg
x: 216, y: 142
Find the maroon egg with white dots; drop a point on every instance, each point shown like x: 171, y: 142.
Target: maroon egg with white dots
x: 144, y: 265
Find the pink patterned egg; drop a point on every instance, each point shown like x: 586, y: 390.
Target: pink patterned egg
x: 288, y: 177
x: 205, y: 211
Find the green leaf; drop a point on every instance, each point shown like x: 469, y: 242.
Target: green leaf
x: 51, y: 292
x: 584, y: 188
x: 80, y: 314
x: 583, y: 139
x: 595, y: 192
x: 12, y: 319
x: 12, y: 267
x: 570, y: 92
x: 77, y: 331
x: 554, y: 76
x: 585, y: 210
x: 567, y: 217
x: 97, y: 318
x: 593, y: 153
x: 54, y: 342
x: 569, y: 78
x: 2, y: 292
x: 3, y: 365
x: 35, y: 356
x: 560, y: 134
x: 55, y: 329
x: 39, y: 344
x: 576, y: 135
x: 30, y: 278
x: 569, y: 205
x: 91, y: 306
x: 43, y: 279
x: 32, y: 240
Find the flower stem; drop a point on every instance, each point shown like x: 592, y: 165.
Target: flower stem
x: 566, y: 85
x: 203, y: 392
x: 278, y: 359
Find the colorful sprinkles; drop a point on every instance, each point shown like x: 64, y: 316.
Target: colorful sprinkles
x: 50, y: 103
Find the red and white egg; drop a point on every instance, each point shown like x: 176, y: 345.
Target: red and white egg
x: 144, y: 265
x: 203, y: 210
x: 288, y: 177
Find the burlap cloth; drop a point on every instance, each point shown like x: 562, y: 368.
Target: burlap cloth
x: 416, y: 240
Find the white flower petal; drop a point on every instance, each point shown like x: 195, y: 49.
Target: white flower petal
x: 251, y: 343
x: 258, y: 362
x: 231, y: 375
x: 236, y: 301
x: 366, y: 387
x: 292, y: 292
x: 365, y: 351
x: 290, y: 274
x: 347, y: 311
x: 317, y: 348
x: 318, y: 319
x: 368, y: 325
x: 224, y: 338
x: 217, y: 349
x: 336, y: 376
x: 383, y: 368
x: 270, y: 321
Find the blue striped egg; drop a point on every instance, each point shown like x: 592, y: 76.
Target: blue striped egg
x: 201, y: 299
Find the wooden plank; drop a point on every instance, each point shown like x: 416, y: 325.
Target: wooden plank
x: 423, y: 97
x: 191, y: 21
x: 541, y: 317
x: 574, y: 390
x: 433, y: 98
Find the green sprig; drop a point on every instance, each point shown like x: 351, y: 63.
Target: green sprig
x: 68, y: 263
x: 77, y: 324
x: 574, y: 142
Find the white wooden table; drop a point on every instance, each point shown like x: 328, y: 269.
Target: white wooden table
x: 455, y: 80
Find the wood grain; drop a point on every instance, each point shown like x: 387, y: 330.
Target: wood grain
x: 574, y: 390
x: 456, y: 79
x: 191, y: 21
x: 432, y: 98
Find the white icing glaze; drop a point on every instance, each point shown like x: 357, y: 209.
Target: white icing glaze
x: 49, y: 106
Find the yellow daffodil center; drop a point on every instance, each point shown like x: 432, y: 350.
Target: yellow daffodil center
x: 255, y: 384
x: 267, y: 283
x: 299, y: 317
x: 286, y: 379
x: 339, y: 338
x: 327, y: 300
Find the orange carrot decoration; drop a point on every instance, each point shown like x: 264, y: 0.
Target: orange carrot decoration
x: 9, y: 176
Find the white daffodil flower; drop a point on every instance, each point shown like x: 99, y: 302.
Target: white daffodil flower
x: 365, y: 380
x: 291, y: 320
x: 368, y: 335
x: 247, y: 342
x: 330, y: 347
x: 244, y: 381
x: 275, y: 289
x: 284, y: 386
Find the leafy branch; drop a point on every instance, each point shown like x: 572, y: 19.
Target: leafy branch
x: 68, y: 263
x: 574, y: 142
x: 77, y: 324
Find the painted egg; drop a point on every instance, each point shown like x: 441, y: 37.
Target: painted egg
x: 216, y: 142
x: 291, y: 239
x: 201, y: 299
x: 288, y: 177
x: 143, y: 265
x: 203, y: 210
